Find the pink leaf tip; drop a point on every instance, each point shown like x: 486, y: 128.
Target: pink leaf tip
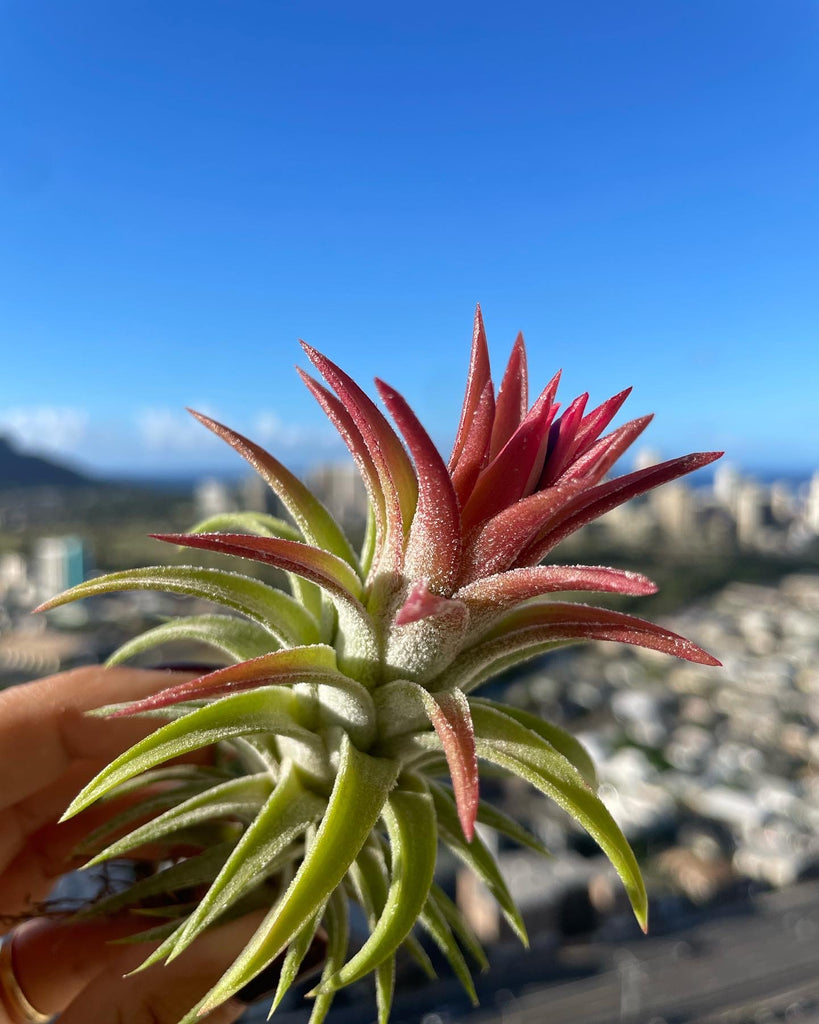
x: 421, y: 603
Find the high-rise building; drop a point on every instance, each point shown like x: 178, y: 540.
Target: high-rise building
x: 211, y: 498
x: 58, y: 563
x: 727, y: 484
x: 812, y: 504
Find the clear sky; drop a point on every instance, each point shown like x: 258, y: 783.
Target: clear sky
x: 188, y: 187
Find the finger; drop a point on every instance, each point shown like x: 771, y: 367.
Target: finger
x: 43, y: 728
x: 21, y: 821
x: 54, y: 961
x: 163, y: 994
x: 46, y: 855
x: 35, y: 861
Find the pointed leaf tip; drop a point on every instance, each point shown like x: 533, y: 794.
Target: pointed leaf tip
x: 478, y: 376
x: 452, y: 720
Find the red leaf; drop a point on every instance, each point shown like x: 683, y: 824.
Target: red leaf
x: 475, y: 451
x: 512, y: 474
x: 351, y: 436
x: 513, y: 398
x: 477, y: 378
x: 313, y: 519
x: 433, y: 549
x: 496, y: 544
x: 421, y: 603
x: 598, y: 459
x: 555, y: 621
x: 391, y: 461
x: 313, y: 564
x: 594, y: 423
x: 452, y: 720
x: 562, y: 442
x: 600, y: 499
x: 505, y: 589
x: 280, y: 667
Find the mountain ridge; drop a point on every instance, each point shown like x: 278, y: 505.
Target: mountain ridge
x: 20, y: 470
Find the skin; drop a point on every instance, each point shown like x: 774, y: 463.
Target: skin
x: 48, y: 751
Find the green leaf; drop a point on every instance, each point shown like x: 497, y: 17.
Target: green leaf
x: 276, y: 611
x: 458, y: 923
x: 258, y: 899
x: 368, y: 545
x: 264, y: 525
x: 138, y: 811
x: 238, y: 798
x: 371, y: 880
x: 287, y: 813
x: 505, y: 742
x: 362, y: 783
x: 476, y: 856
x: 238, y: 638
x: 158, y: 933
x: 500, y: 822
x: 194, y: 775
x: 434, y: 922
x: 193, y: 871
x: 336, y: 921
x: 400, y: 709
x: 265, y: 710
x: 248, y: 522
x: 296, y: 952
x: 357, y: 643
x: 384, y: 988
x: 569, y: 746
x: 323, y: 695
x: 410, y: 820
x: 419, y: 955
x: 487, y: 660
x: 346, y: 702
x: 330, y: 698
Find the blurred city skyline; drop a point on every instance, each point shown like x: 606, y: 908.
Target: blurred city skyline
x: 186, y: 190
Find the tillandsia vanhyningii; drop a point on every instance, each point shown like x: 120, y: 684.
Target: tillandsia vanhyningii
x: 348, y: 728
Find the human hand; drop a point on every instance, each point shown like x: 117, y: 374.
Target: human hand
x: 48, y: 750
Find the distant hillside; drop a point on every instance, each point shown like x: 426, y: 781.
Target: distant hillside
x: 17, y: 470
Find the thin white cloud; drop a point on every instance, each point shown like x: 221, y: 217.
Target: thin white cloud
x: 46, y: 428
x: 173, y: 431
x: 270, y: 430
x: 159, y: 438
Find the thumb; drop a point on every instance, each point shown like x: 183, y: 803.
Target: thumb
x: 164, y: 994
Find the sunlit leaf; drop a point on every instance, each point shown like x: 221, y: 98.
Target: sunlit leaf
x: 410, y: 820
x: 238, y: 798
x: 513, y: 398
x: 569, y: 746
x: 433, y: 921
x: 336, y: 921
x: 274, y: 610
x: 505, y: 742
x: 288, y: 811
x: 362, y: 782
x: 477, y: 857
x: 461, y: 928
x: 260, y: 711
x: 235, y: 637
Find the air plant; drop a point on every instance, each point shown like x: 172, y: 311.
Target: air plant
x: 348, y: 731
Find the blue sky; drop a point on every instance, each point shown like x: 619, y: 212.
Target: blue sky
x: 187, y: 188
